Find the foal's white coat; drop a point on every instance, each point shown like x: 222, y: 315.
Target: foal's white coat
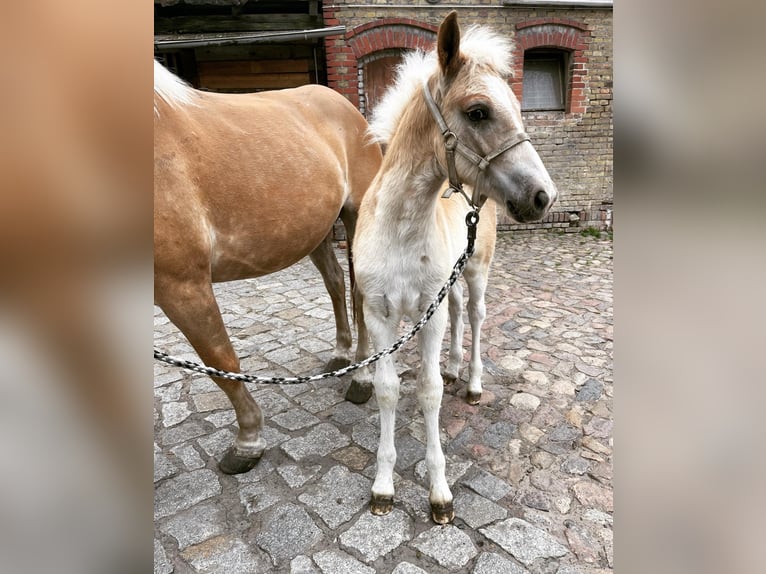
x: 408, y: 237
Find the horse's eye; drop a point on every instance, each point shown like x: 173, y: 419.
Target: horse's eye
x: 477, y: 114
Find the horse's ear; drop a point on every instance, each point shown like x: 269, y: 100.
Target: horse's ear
x: 448, y: 45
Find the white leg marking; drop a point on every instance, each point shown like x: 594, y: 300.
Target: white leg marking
x: 430, y: 396
x: 456, y: 331
x: 386, y: 381
x: 477, y: 311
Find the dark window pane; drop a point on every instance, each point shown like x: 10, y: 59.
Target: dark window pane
x: 543, y: 86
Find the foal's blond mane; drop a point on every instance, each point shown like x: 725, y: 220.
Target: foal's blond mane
x: 170, y: 88
x: 480, y: 46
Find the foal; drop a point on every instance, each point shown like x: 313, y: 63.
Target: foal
x: 408, y: 237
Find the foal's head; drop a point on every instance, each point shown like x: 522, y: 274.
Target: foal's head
x: 471, y: 90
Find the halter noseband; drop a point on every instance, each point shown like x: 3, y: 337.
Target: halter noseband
x: 452, y: 143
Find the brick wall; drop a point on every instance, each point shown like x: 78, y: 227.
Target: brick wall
x: 575, y: 145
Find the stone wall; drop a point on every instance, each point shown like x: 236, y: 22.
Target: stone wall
x: 575, y: 145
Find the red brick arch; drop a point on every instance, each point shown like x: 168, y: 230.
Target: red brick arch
x: 387, y: 33
x: 345, y: 53
x: 561, y: 33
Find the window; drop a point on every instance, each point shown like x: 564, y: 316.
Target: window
x: 545, y: 80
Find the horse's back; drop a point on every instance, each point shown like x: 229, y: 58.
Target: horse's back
x: 254, y: 182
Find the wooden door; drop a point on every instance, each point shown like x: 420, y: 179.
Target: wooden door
x: 378, y: 75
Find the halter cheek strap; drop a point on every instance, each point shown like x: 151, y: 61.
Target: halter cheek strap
x: 452, y: 144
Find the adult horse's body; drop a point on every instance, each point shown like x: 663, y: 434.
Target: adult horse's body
x: 408, y: 237
x: 246, y: 185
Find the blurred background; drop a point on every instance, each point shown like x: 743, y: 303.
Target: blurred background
x: 76, y: 315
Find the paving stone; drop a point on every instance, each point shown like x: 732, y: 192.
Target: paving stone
x: 296, y: 476
x: 257, y: 496
x: 353, y: 457
x: 476, y: 510
x: 498, y: 434
x: 271, y: 401
x: 598, y: 427
x: 598, y: 517
x: 295, y: 419
x: 169, y: 393
x: 161, y: 563
x: 448, y: 545
x: 454, y: 470
x: 583, y: 544
x: 187, y: 430
x: 318, y: 400
x: 525, y: 401
x: 188, y: 456
x: 174, y: 413
x: 491, y: 563
x: 375, y: 536
x: 536, y: 378
x: 523, y: 541
x: 184, y: 491
x: 366, y: 435
x: 320, y: 441
x: 575, y: 465
x: 213, y: 401
x: 414, y: 498
x: 163, y: 466
x: 407, y: 568
x: 289, y: 531
x: 302, y: 565
x: 488, y: 485
x: 222, y: 418
x: 347, y: 413
x: 334, y: 562
x: 337, y: 496
x: 592, y: 495
x: 217, y: 443
x: 195, y: 525
x: 223, y: 555
x: 590, y: 391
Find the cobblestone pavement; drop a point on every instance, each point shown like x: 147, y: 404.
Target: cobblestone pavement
x: 530, y: 467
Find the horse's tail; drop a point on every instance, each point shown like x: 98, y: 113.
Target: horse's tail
x: 348, y: 216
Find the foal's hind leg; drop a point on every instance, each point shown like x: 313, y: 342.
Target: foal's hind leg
x: 477, y: 311
x: 452, y: 372
x: 324, y: 259
x: 193, y: 309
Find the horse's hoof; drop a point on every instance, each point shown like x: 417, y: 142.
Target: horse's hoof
x: 472, y: 398
x: 443, y: 513
x: 232, y: 463
x: 449, y: 378
x: 380, y: 505
x: 337, y: 363
x: 359, y: 393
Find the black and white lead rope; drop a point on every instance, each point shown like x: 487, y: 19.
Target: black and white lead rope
x: 471, y: 220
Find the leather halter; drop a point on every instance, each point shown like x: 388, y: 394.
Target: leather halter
x: 452, y: 144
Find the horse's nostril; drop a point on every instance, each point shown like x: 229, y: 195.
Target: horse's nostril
x: 541, y: 200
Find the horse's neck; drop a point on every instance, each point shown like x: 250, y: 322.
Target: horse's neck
x: 409, y: 189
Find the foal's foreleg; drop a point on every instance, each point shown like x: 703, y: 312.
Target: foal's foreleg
x: 429, y: 390
x: 477, y: 312
x: 193, y: 309
x: 323, y: 257
x: 386, y: 382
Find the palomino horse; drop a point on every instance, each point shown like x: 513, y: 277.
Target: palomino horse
x: 246, y: 185
x: 408, y: 238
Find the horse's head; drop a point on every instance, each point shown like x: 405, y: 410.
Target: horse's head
x: 492, y: 152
